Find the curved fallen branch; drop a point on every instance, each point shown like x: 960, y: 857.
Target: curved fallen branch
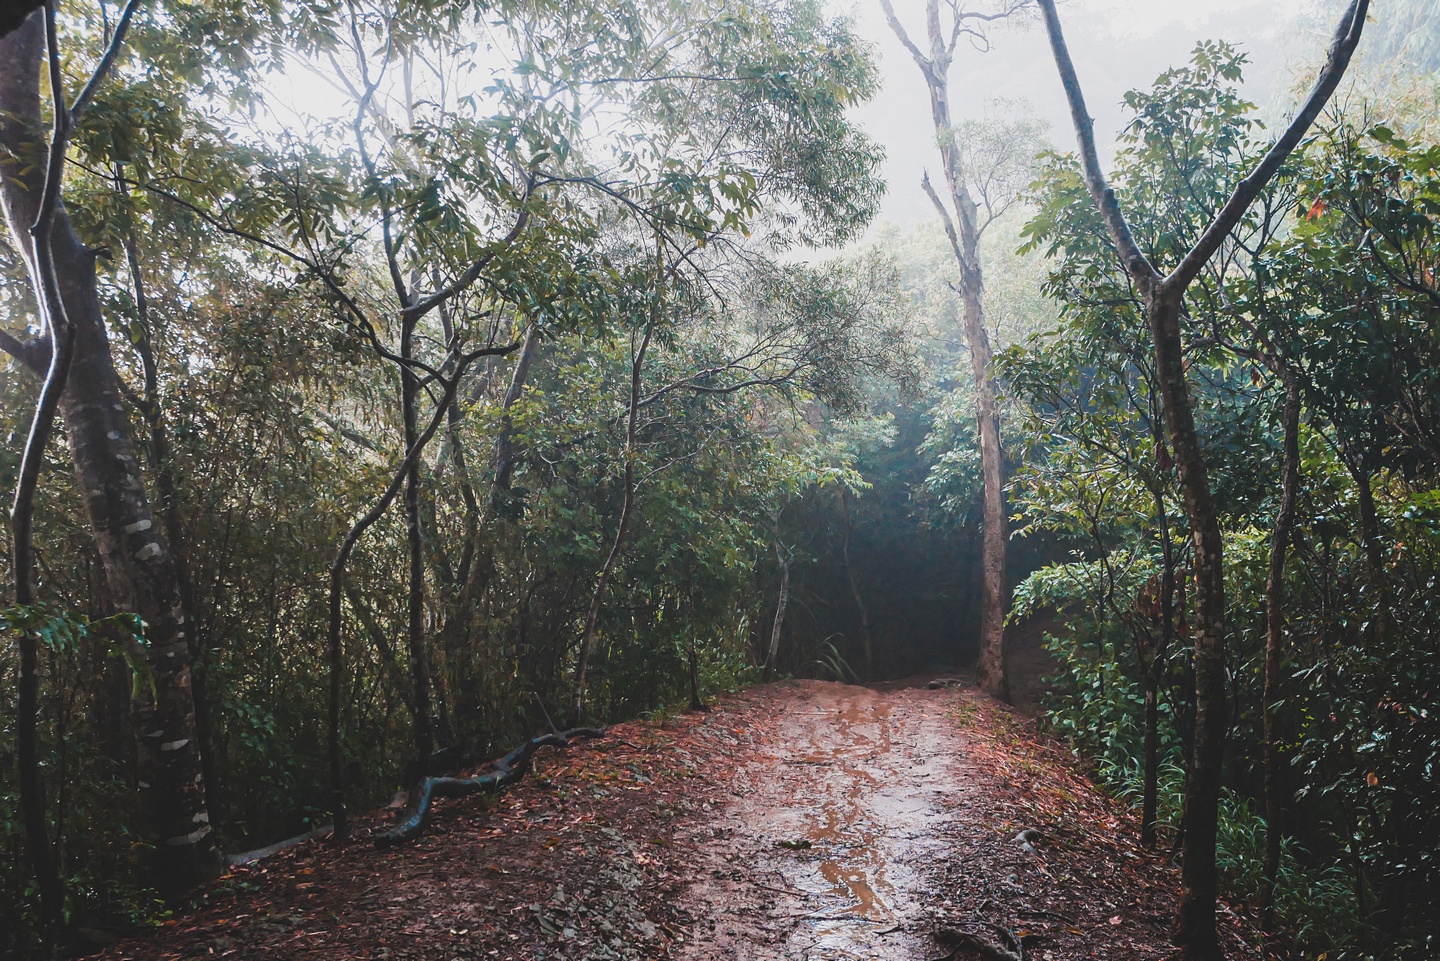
x: 248, y: 857
x: 503, y: 773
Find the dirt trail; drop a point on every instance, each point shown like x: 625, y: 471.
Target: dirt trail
x: 799, y: 820
x: 826, y: 845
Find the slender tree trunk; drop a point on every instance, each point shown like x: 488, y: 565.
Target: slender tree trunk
x: 1195, y: 921
x: 696, y: 703
x: 422, y: 712
x: 627, y: 507
x: 506, y: 452
x: 1150, y: 777
x: 335, y: 650
x: 61, y: 335
x: 780, y: 604
x: 463, y: 604
x: 1274, y: 642
x: 1154, y: 671
x: 162, y: 466
x: 597, y: 597
x: 963, y: 231
x: 865, y: 639
x: 22, y: 556
x: 1163, y: 297
x: 139, y: 568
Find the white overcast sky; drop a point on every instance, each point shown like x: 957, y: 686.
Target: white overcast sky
x: 1118, y: 45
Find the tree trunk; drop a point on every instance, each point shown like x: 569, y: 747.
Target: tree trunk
x: 1150, y: 762
x: 1154, y: 667
x: 780, y: 605
x: 1195, y: 922
x: 22, y: 557
x: 991, y: 673
x: 1163, y: 296
x: 506, y: 454
x: 139, y: 568
x: 421, y: 716
x: 335, y: 650
x: 162, y: 466
x: 1274, y: 641
x: 865, y: 639
x: 627, y: 507
x: 963, y: 231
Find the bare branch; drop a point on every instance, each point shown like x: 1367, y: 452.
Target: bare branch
x: 87, y: 93
x: 1130, y: 255
x: 899, y: 29
x: 34, y: 355
x: 1342, y: 47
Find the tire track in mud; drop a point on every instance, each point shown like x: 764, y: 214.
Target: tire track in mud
x: 825, y: 850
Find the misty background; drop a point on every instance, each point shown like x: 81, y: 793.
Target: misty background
x: 1118, y: 45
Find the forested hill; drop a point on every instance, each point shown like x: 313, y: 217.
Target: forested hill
x: 391, y: 386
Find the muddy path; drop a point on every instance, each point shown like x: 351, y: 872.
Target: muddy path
x: 798, y: 820
x: 834, y: 828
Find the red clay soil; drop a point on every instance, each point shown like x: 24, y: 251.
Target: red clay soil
x: 798, y: 820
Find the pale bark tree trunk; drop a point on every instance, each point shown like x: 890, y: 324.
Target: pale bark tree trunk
x: 865, y: 638
x: 964, y: 230
x: 162, y: 466
x: 22, y: 558
x: 782, y: 557
x: 1163, y: 297
x: 139, y: 568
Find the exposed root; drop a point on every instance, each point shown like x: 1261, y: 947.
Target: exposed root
x: 503, y: 773
x: 247, y: 857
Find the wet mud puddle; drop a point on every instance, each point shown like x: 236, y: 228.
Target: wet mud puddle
x: 824, y: 851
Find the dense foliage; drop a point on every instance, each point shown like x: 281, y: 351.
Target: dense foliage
x: 545, y: 236
x: 1328, y: 285
x: 484, y: 367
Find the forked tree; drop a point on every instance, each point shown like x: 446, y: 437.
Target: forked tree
x: 1163, y: 295
x: 977, y: 192
x: 73, y: 356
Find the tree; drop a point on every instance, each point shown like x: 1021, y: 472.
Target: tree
x: 139, y: 567
x: 1164, y: 299
x: 1097, y: 475
x: 994, y: 177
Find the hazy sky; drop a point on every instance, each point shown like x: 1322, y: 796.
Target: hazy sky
x: 1117, y: 45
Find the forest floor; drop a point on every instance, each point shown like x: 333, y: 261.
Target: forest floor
x: 799, y: 820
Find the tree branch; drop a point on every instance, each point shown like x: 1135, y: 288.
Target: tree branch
x: 1342, y: 47
x: 948, y: 223
x: 1130, y: 255
x: 899, y: 29
x: 472, y: 273
x: 82, y: 102
x: 35, y: 355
